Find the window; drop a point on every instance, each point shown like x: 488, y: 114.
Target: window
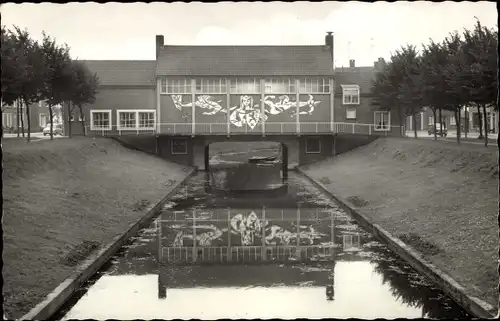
x: 382, y: 121
x: 175, y: 86
x: 6, y: 119
x: 127, y: 120
x: 453, y: 121
x: 211, y: 85
x: 80, y: 118
x: 280, y: 86
x: 314, y: 85
x: 245, y: 86
x: 179, y: 146
x: 351, y: 242
x: 136, y: 119
x: 100, y: 119
x: 313, y: 146
x: 350, y: 113
x: 350, y: 94
x: 42, y: 120
x: 146, y: 119
x: 431, y: 120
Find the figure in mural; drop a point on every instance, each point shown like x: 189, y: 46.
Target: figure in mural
x: 248, y: 227
x: 247, y: 113
x: 204, y: 102
x: 202, y: 239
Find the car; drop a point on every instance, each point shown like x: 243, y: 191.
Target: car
x: 56, y: 130
x: 437, y: 128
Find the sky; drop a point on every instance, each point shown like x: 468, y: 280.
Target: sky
x: 363, y: 31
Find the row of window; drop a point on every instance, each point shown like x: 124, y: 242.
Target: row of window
x: 127, y: 119
x: 381, y: 118
x: 247, y: 85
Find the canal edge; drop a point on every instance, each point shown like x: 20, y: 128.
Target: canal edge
x: 473, y: 305
x: 63, y: 292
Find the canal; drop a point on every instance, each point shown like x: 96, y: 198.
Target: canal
x: 284, y: 250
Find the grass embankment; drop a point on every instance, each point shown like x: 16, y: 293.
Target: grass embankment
x: 440, y: 198
x: 64, y: 199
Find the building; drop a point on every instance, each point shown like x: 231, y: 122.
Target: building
x: 192, y: 96
x: 39, y: 117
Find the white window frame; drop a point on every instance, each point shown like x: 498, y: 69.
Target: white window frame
x: 7, y: 119
x: 312, y: 152
x: 235, y: 83
x: 453, y: 121
x: 174, y: 85
x: 172, y: 146
x: 346, y: 89
x: 387, y: 127
x: 40, y: 119
x: 137, y: 122
x: 271, y: 86
x: 431, y: 120
x: 95, y: 111
x: 210, y: 86
x: 350, y: 109
x: 306, y: 85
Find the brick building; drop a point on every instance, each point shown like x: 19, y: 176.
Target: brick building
x: 39, y: 117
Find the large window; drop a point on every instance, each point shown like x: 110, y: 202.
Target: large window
x: 136, y: 119
x: 211, y: 85
x: 7, y: 119
x: 382, y: 121
x: 245, y: 86
x: 280, y: 86
x: 314, y: 85
x: 179, y: 146
x: 100, y: 119
x: 175, y: 86
x: 42, y: 120
x: 350, y: 94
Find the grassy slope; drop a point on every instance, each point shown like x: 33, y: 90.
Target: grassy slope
x: 58, y: 195
x: 444, y: 193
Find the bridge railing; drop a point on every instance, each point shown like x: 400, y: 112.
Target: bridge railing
x: 270, y: 128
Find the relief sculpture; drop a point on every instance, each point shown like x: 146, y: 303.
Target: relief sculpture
x: 248, y: 113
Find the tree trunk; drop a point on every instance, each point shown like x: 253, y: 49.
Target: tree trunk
x: 21, y: 116
x: 457, y: 120
x: 17, y: 119
x: 51, y: 119
x: 28, y: 118
x: 401, y: 122
x: 485, y: 116
x: 440, y: 121
x: 82, y: 120
x: 480, y: 119
x: 466, y: 125
x: 415, y: 123
x: 434, y: 115
x: 70, y: 110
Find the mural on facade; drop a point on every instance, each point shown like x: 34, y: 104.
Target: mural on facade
x: 248, y: 113
x: 249, y: 228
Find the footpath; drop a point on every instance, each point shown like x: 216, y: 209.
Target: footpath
x: 439, y: 199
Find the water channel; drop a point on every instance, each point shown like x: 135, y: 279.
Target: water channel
x: 341, y: 271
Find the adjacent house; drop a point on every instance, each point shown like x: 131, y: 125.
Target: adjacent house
x: 39, y: 117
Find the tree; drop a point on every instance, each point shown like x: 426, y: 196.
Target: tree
x: 58, y: 75
x: 30, y: 70
x: 83, y: 90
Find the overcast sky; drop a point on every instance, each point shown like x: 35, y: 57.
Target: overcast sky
x: 363, y: 31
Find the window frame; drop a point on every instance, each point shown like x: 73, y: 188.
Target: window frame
x: 136, y: 112
x: 209, y: 85
x: 345, y: 91
x: 281, y: 82
x: 387, y: 126
x: 322, y: 83
x: 172, y: 86
x: 95, y: 111
x: 40, y: 119
x: 235, y: 82
x: 8, y: 117
x: 172, y: 146
x: 347, y: 110
x: 307, y: 145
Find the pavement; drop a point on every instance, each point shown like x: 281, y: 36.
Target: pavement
x: 452, y: 137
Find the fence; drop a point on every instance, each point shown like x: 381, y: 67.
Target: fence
x: 270, y: 128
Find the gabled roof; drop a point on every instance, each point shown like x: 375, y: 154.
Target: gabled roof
x: 123, y: 72
x: 244, y: 61
x: 362, y: 76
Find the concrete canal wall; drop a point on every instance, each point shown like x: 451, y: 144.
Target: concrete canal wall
x: 69, y: 204
x: 434, y: 203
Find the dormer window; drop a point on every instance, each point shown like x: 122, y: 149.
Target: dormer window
x: 350, y: 94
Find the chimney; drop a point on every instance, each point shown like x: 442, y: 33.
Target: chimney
x: 329, y: 43
x: 352, y: 63
x: 159, y: 44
